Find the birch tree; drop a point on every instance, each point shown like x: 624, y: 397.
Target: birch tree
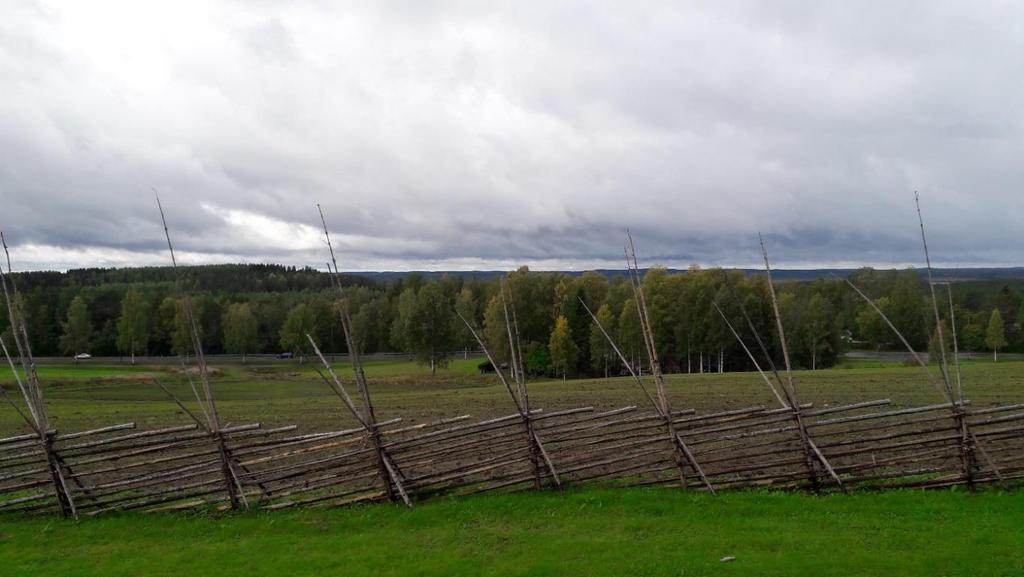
x: 297, y: 325
x: 600, y: 351
x: 77, y: 328
x: 995, y: 334
x: 817, y: 328
x: 133, y: 325
x: 240, y: 329
x: 425, y: 325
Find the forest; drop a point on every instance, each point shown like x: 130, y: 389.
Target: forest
x: 250, y: 309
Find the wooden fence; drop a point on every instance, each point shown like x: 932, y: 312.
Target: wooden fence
x: 862, y: 446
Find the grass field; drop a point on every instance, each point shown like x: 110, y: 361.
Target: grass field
x: 583, y: 532
x: 285, y: 393
x: 636, y: 532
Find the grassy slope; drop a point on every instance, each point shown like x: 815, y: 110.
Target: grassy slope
x: 595, y: 532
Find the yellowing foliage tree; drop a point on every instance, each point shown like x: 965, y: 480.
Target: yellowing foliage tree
x: 562, y: 348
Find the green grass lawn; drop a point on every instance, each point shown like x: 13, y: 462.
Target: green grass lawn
x: 642, y: 532
x: 88, y: 370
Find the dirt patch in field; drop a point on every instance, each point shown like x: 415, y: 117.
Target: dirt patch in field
x: 194, y: 371
x: 127, y: 378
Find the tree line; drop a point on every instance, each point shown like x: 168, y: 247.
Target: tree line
x: 244, y: 309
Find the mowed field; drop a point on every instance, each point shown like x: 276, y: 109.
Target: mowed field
x: 622, y: 532
x: 592, y: 531
x: 281, y: 393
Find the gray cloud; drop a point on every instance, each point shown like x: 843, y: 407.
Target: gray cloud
x: 454, y: 135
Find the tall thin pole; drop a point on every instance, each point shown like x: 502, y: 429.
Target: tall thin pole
x: 513, y: 342
x: 19, y: 332
x: 959, y: 415
x: 750, y: 355
x: 682, y: 453
x: 30, y: 386
x: 753, y: 330
x: 388, y: 471
x: 645, y: 323
x: 944, y: 367
x: 903, y: 339
x: 956, y: 345
x: 34, y: 421
x: 520, y: 407
x: 232, y: 484
x: 811, y: 450
x: 622, y: 357
x: 193, y: 328
x: 790, y: 389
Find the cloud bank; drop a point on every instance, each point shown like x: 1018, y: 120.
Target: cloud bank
x: 451, y: 135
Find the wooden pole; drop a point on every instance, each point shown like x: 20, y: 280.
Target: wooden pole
x: 536, y: 449
x: 386, y: 469
x: 681, y: 454
x: 645, y: 324
x: 231, y: 484
x: 968, y: 442
x: 520, y: 408
x: 19, y: 332
x: 750, y: 355
x: 753, y: 330
x: 389, y: 471
x: 944, y: 366
x: 30, y: 388
x: 906, y: 343
x: 810, y: 449
x: 30, y: 421
x: 956, y: 345
x: 967, y: 457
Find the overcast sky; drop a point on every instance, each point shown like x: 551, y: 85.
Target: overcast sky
x: 451, y: 135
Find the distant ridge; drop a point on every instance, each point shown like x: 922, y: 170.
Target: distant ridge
x: 960, y: 274
x: 273, y: 277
